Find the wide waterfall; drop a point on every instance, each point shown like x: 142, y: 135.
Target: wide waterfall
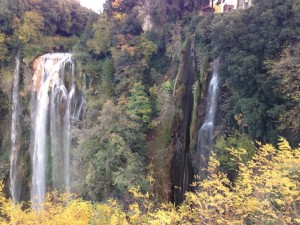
x: 56, y: 106
x: 15, y: 185
x: 205, y: 135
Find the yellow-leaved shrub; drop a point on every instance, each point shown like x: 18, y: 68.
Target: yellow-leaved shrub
x: 267, y: 191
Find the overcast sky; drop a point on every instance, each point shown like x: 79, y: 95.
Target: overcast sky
x: 95, y: 5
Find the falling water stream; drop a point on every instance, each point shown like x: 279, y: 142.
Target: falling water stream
x: 56, y: 105
x: 205, y: 135
x: 15, y: 186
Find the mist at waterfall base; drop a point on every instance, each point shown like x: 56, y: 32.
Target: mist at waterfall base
x: 57, y: 105
x: 205, y: 134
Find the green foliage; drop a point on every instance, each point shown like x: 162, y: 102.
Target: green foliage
x: 5, y: 17
x: 32, y: 27
x: 167, y: 86
x: 160, y: 62
x: 286, y: 70
x: 130, y: 26
x: 29, y: 23
x: 161, y: 137
x: 243, y: 40
x: 5, y: 109
x: 138, y: 104
x: 232, y: 150
x: 147, y: 49
x: 101, y: 41
x: 122, y: 58
x: 113, y: 156
x: 254, y: 113
x: 114, y: 168
x: 64, y: 17
x: 3, y: 48
x: 4, y: 156
x: 108, y: 76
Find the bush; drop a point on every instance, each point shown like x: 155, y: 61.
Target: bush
x: 265, y: 192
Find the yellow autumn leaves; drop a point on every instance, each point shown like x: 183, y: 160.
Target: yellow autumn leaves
x: 267, y: 191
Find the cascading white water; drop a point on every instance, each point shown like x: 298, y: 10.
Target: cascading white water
x: 205, y: 135
x: 55, y: 100
x: 15, y: 186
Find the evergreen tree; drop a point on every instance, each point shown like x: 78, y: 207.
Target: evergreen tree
x: 138, y: 104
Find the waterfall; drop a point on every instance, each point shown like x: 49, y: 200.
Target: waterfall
x: 205, y: 135
x: 56, y: 106
x: 15, y: 183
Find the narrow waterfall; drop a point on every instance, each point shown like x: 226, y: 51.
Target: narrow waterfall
x: 56, y: 106
x: 15, y: 183
x: 205, y: 135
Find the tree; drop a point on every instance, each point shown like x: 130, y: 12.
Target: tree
x: 31, y: 28
x: 114, y: 168
x: 147, y: 49
x: 5, y: 17
x: 3, y: 48
x: 248, y: 38
x: 65, y: 18
x: 100, y: 43
x: 227, y: 148
x: 138, y: 104
x: 286, y: 71
x: 113, y: 159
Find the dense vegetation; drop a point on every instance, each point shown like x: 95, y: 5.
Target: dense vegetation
x: 266, y: 192
x: 255, y: 38
x: 146, y: 86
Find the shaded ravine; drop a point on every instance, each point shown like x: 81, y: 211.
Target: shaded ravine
x: 181, y: 168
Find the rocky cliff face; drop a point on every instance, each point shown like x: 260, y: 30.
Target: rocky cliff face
x: 144, y: 14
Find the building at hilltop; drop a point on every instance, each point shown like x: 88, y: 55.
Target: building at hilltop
x: 223, y: 6
x: 244, y: 4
